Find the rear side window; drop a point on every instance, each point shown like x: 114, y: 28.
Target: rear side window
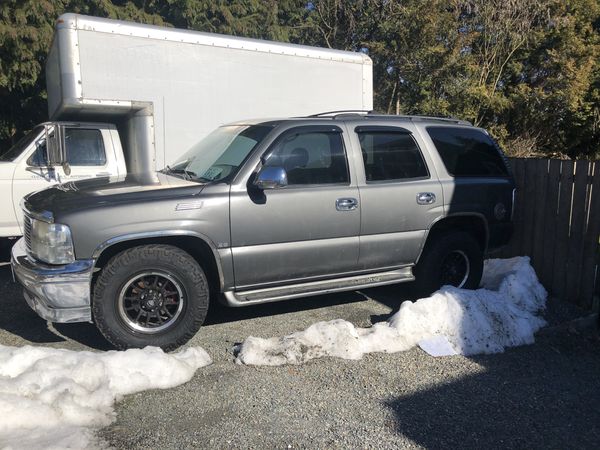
x: 390, y: 155
x: 467, y: 152
x: 84, y: 147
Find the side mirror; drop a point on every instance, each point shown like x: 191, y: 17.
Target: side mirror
x: 271, y: 178
x: 54, y: 145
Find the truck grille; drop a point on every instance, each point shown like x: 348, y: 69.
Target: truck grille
x: 27, y: 232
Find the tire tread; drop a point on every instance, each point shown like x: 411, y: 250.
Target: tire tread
x: 129, y: 257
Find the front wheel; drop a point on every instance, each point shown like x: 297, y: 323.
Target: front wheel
x: 150, y: 295
x: 454, y: 259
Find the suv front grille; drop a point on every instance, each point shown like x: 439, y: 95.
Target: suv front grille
x: 27, y: 231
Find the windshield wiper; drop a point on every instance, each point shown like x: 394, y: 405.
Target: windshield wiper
x: 187, y: 174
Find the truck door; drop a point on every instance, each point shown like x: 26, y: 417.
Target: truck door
x: 31, y: 174
x: 307, y: 229
x: 400, y: 193
x: 86, y: 153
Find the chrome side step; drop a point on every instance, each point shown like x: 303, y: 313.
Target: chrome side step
x: 275, y: 294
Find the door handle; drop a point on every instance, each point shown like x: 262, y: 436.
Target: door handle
x: 425, y: 198
x: 346, y: 204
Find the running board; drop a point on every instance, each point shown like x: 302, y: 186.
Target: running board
x: 275, y: 294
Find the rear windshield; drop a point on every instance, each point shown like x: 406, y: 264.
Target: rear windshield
x: 468, y: 152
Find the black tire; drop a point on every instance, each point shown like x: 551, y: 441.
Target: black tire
x: 178, y: 295
x: 449, y: 250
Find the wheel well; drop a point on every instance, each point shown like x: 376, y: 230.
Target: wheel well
x: 196, y: 247
x: 473, y: 225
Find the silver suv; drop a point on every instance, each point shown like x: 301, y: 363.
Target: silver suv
x: 262, y: 211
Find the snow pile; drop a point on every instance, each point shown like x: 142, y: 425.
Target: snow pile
x: 53, y: 398
x: 502, y: 313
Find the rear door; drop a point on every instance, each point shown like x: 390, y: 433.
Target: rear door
x: 400, y: 194
x: 306, y: 230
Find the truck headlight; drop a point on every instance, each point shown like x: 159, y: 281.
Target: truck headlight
x: 51, y: 242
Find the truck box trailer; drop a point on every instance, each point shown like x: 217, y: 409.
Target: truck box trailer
x: 130, y: 98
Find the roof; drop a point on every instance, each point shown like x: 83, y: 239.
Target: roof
x: 356, y: 116
x: 110, y: 26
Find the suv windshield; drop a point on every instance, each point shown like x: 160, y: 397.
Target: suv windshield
x: 12, y: 153
x: 219, y: 155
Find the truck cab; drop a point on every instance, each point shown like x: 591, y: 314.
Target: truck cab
x: 55, y: 152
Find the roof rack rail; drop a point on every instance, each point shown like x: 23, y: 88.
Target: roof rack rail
x: 421, y: 118
x: 372, y: 114
x: 341, y: 111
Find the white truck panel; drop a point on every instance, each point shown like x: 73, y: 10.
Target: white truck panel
x: 195, y: 81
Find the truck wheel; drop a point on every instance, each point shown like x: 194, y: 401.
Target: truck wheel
x: 453, y: 258
x: 150, y: 295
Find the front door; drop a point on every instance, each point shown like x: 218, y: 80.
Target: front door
x: 306, y: 230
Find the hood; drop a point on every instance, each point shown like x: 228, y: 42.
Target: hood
x: 96, y: 192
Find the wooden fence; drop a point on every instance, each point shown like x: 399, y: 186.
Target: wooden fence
x: 557, y: 224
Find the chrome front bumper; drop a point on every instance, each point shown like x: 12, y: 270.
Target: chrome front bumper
x: 56, y: 293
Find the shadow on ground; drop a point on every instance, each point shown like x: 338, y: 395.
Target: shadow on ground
x: 391, y: 296
x: 531, y: 397
x: 5, y: 248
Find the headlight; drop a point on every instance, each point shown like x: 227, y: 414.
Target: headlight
x: 51, y: 242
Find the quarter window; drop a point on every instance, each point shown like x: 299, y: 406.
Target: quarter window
x: 311, y: 157
x: 467, y: 152
x: 84, y: 147
x: 39, y: 157
x: 391, y: 155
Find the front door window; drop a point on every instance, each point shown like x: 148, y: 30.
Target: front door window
x: 311, y: 157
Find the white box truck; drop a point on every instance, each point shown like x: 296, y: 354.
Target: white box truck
x: 130, y: 98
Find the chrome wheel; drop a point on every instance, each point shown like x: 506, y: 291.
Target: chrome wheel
x: 151, y: 302
x: 455, y: 269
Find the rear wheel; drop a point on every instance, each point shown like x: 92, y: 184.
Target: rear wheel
x: 452, y: 258
x: 150, y: 295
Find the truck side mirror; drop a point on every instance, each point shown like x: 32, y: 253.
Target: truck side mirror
x: 271, y: 178
x: 54, y: 145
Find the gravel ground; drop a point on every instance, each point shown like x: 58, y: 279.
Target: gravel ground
x: 538, y: 396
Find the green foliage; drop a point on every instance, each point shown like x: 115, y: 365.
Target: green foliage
x: 527, y: 70
x: 267, y: 19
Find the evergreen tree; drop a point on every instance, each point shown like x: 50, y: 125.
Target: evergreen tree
x: 527, y: 70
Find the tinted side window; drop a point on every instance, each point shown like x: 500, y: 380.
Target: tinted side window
x: 312, y: 157
x: 390, y: 155
x: 467, y: 152
x: 84, y: 147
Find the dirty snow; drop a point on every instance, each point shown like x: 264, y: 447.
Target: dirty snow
x: 54, y: 398
x: 504, y: 312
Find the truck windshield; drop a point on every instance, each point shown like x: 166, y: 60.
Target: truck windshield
x: 219, y: 155
x: 12, y: 153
